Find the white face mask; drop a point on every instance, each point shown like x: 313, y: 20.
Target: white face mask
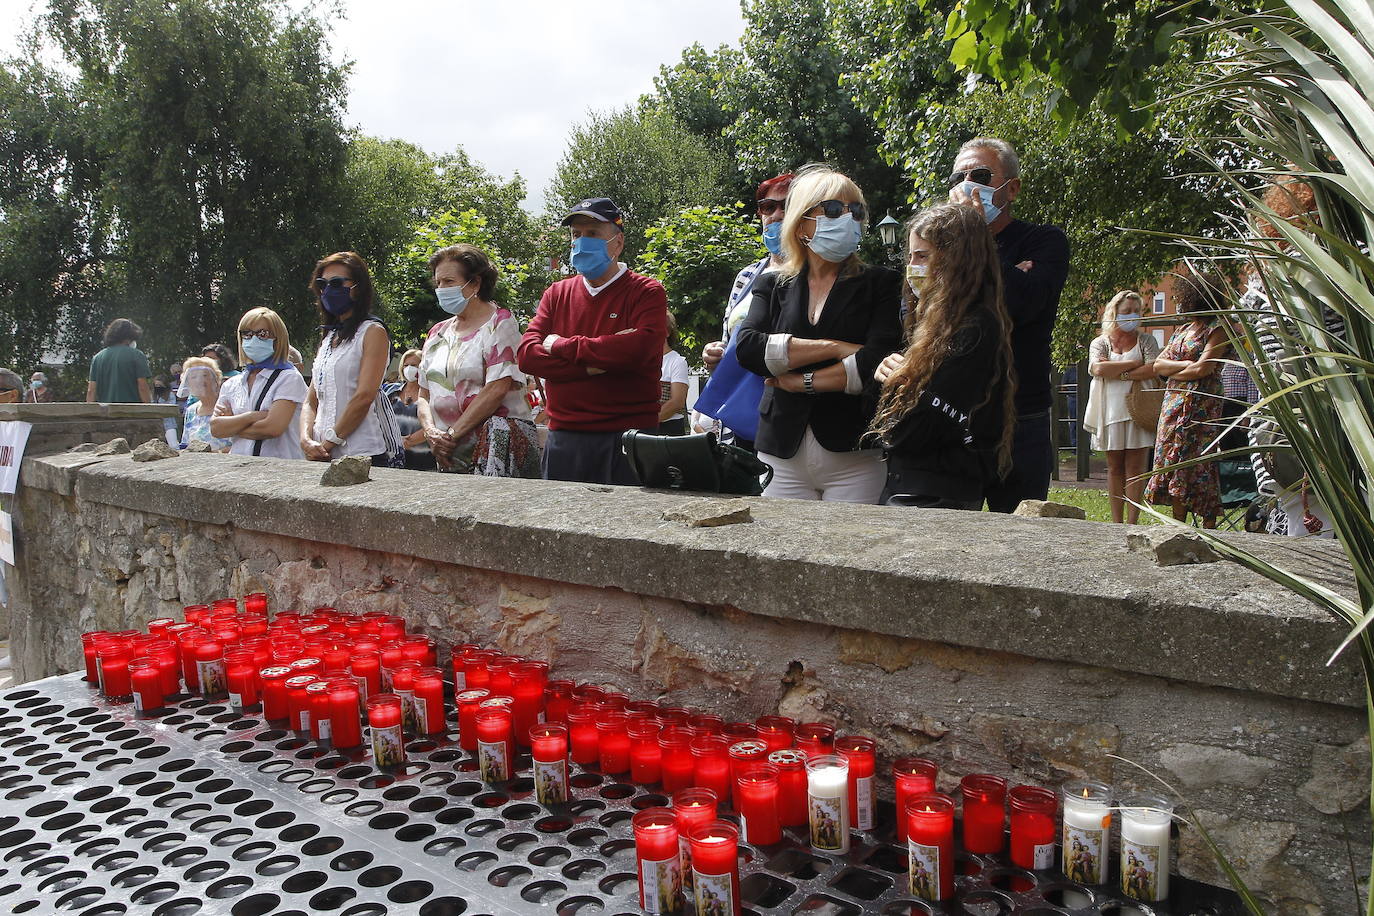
x: 411, y: 373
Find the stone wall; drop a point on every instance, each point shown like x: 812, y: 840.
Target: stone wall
x: 1026, y: 647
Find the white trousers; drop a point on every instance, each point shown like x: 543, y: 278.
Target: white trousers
x: 820, y: 474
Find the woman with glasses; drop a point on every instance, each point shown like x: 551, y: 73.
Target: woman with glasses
x: 200, y: 386
x: 345, y: 411
x: 472, y: 404
x: 260, y: 408
x: 946, y: 415
x: 817, y: 329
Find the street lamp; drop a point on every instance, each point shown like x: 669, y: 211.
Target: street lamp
x: 887, y: 228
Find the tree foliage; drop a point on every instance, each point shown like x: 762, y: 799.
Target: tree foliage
x: 696, y: 254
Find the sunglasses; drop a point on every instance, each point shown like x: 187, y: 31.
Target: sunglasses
x: 977, y: 176
x: 833, y: 209
x: 260, y: 334
x: 768, y: 206
x: 332, y: 282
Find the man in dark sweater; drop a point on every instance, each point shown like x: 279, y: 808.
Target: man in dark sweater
x: 1035, y: 264
x: 597, y: 341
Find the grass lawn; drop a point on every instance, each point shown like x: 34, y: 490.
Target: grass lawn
x: 1093, y: 502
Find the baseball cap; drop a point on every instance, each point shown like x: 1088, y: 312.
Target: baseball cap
x: 601, y: 208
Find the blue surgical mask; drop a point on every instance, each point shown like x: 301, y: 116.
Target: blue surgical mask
x: 772, y: 237
x: 836, y: 238
x: 1128, y: 322
x: 589, y: 256
x: 257, y: 350
x: 337, y: 300
x: 452, y: 299
x: 36, y: 385
x: 990, y: 210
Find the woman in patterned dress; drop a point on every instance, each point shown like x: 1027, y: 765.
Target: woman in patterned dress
x: 1190, y: 418
x: 472, y: 404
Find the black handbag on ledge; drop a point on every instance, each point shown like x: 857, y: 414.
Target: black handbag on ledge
x: 698, y: 463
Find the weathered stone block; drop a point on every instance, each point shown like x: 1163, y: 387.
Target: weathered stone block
x: 1199, y: 766
x: 1172, y: 547
x: 1339, y: 777
x: 1037, y: 508
x: 154, y: 450
x: 116, y: 446
x: 710, y: 513
x: 345, y: 472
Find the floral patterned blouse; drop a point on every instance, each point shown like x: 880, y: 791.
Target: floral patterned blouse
x: 455, y: 368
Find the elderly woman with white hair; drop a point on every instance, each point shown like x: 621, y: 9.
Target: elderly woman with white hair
x: 817, y: 329
x: 40, y: 392
x: 200, y: 384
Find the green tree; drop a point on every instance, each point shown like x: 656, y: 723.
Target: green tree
x: 647, y: 162
x: 696, y: 254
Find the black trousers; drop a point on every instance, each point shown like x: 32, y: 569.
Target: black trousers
x: 1032, y: 457
x: 585, y: 457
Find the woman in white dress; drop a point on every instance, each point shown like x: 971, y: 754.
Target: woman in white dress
x: 345, y: 413
x: 1120, y: 356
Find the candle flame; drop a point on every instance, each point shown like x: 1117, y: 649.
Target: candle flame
x: 1085, y: 791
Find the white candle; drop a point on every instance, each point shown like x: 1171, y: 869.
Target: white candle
x: 827, y: 803
x: 1087, y: 822
x: 1145, y: 831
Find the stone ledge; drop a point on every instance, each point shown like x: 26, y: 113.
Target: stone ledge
x: 1045, y: 588
x: 66, y: 411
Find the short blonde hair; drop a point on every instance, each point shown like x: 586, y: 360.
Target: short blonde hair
x: 1109, y: 312
x: 202, y: 362
x: 813, y: 184
x: 419, y: 354
x: 281, y: 347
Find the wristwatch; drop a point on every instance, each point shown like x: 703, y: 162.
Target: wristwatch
x: 808, y: 382
x: 1123, y: 376
x: 329, y: 436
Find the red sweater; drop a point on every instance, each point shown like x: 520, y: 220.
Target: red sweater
x: 623, y: 396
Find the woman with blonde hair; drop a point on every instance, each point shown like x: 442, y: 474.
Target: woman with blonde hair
x: 200, y: 379
x: 260, y: 408
x: 1119, y: 357
x: 946, y: 415
x: 817, y: 329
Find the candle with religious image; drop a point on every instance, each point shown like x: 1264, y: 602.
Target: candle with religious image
x: 321, y: 711
x: 1087, y: 824
x: 384, y: 721
x: 1146, y: 821
x: 861, y: 754
x: 467, y: 702
x: 930, y: 846
x: 274, y: 702
x: 827, y: 802
x: 911, y: 776
x: 495, y: 743
x: 693, y: 808
x: 428, y: 699
x: 146, y: 683
x: 1032, y: 827
x: 549, y: 752
x: 715, y: 868
x: 657, y: 861
x: 298, y: 702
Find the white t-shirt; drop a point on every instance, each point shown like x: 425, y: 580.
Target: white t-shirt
x: 289, y: 386
x: 674, y: 370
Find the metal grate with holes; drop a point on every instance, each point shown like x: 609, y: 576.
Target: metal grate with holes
x: 204, y: 810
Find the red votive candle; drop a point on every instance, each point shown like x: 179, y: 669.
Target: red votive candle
x: 420, y: 648
x: 344, y: 713
x: 253, y: 625
x: 457, y: 654
x: 240, y: 678
x: 860, y: 752
x: 225, y: 604
x: 498, y: 669
x: 613, y: 742
x: 527, y: 687
x: 256, y: 603
x: 985, y: 813
x: 756, y: 799
x: 587, y: 693
x: 186, y: 645
x: 210, y: 668
x: 711, y: 765
x: 930, y: 846
x: 158, y: 627
x: 557, y: 701
x: 674, y: 715
x: 286, y: 650
x: 467, y: 702
x: 165, y: 653
x: 1033, y: 811
x: 676, y: 766
x: 114, y: 657
x: 495, y: 753
x: 715, y: 867
x: 145, y: 680
x: 646, y: 758
x: 582, y: 732
x: 693, y: 808
x: 392, y: 653
x: 429, y: 700
x: 658, y: 860
x: 615, y: 699
x: 392, y: 627
x: 384, y: 718
x: 549, y: 750
x: 775, y: 731
x: 196, y: 613
x: 261, y: 650
x: 321, y: 711
x: 275, y: 705
x: 911, y: 776
x: 750, y: 750
x: 475, y: 673
x: 739, y: 731
x: 403, y: 685
x: 366, y: 668
x: 309, y: 664
x: 88, y: 641
x: 297, y: 703
x: 704, y: 724
x: 336, y: 658
x: 644, y: 706
x: 814, y: 738
x: 791, y: 766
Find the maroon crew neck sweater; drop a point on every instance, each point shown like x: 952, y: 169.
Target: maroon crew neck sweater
x: 625, y: 394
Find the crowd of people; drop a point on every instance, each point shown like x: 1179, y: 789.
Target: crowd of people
x: 929, y: 388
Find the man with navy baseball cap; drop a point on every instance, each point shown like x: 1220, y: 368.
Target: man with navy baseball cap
x: 597, y: 341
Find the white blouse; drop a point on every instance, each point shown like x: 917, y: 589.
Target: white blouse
x: 335, y: 377
x: 241, y: 398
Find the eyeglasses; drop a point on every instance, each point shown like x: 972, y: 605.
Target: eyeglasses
x: 834, y: 209
x: 333, y: 283
x: 260, y: 334
x: 768, y: 206
x: 977, y: 176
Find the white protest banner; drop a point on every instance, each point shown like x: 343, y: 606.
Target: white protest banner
x: 6, y: 539
x: 14, y: 435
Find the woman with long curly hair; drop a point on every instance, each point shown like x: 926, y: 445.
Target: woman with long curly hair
x: 946, y: 414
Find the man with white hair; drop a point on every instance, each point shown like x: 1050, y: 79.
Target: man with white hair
x: 1035, y: 264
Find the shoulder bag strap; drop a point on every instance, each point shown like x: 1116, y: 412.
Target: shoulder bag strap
x: 262, y: 396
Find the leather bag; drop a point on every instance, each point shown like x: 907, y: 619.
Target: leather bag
x: 699, y: 463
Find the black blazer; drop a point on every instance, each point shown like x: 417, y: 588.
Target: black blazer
x: 862, y: 309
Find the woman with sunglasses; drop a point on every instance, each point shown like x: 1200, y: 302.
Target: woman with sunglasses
x: 947, y: 414
x: 259, y: 410
x: 817, y: 329
x: 345, y: 412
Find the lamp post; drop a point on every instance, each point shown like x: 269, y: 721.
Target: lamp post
x: 887, y: 230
